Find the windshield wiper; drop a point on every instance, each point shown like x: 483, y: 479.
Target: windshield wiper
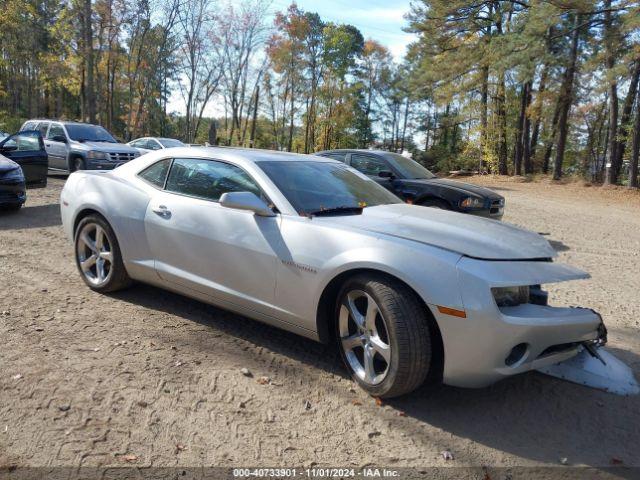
x: 331, y: 211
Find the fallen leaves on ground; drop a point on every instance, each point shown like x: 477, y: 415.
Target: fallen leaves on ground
x: 447, y: 455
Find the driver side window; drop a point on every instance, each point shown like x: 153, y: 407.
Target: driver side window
x: 23, y: 142
x: 55, y: 130
x: 369, y: 165
x: 208, y: 179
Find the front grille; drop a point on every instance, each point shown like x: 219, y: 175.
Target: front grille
x: 121, y: 157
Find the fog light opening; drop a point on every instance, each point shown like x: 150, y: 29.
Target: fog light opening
x: 517, y: 355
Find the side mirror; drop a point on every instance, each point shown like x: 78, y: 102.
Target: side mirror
x: 59, y: 138
x: 246, y: 201
x: 386, y: 174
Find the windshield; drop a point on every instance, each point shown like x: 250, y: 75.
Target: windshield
x: 89, y: 133
x: 170, y: 143
x: 409, y: 168
x: 313, y: 187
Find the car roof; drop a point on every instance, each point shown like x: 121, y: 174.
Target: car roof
x: 354, y: 150
x: 237, y: 155
x: 260, y: 155
x: 64, y: 122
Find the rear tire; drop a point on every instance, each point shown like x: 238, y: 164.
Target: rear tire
x: 392, y: 325
x: 98, y: 256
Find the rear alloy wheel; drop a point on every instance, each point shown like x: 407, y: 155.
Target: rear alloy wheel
x: 383, y: 335
x: 98, y: 256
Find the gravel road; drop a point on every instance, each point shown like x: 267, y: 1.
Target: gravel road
x: 150, y: 378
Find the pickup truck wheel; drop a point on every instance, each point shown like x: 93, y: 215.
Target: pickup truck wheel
x: 98, y: 256
x: 79, y: 164
x: 383, y: 335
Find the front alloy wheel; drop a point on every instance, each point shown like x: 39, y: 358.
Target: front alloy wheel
x: 98, y: 255
x: 94, y: 254
x: 364, y: 337
x: 383, y: 334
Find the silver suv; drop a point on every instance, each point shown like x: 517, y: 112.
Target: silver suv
x: 75, y: 146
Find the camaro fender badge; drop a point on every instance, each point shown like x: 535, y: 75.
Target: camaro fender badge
x: 300, y: 266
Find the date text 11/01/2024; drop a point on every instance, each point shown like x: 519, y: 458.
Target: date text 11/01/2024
x: 369, y: 472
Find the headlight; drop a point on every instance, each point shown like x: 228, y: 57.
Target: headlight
x: 471, y: 202
x: 95, y: 155
x: 511, y: 296
x: 15, y: 174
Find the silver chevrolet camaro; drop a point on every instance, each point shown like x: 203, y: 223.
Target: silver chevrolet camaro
x: 308, y: 244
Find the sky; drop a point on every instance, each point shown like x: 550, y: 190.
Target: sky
x: 381, y: 20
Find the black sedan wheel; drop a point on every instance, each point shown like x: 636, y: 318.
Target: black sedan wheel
x: 383, y: 335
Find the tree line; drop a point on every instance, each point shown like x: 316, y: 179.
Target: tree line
x: 511, y: 87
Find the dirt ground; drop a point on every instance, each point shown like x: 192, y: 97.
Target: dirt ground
x: 150, y: 378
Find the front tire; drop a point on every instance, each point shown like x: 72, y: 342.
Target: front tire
x: 79, y: 164
x: 98, y: 256
x: 383, y: 335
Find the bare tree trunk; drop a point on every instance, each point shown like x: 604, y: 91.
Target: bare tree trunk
x: 566, y: 94
x: 484, y: 108
x: 502, y: 127
x: 252, y: 136
x: 536, y: 126
x: 89, y: 57
x: 291, y: 112
x: 517, y: 151
x: 213, y: 132
x: 627, y: 110
x: 635, y: 150
x: 611, y: 177
x: 526, y: 129
x: 404, y: 125
x: 550, y: 141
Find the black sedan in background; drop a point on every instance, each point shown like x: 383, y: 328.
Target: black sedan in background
x: 415, y: 184
x: 27, y: 150
x: 23, y: 163
x: 12, y: 185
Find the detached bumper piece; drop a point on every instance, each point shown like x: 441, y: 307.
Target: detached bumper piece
x: 603, y: 371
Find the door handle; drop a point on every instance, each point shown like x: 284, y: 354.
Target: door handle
x: 47, y: 144
x: 162, y: 211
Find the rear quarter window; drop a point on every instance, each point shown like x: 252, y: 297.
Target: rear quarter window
x: 156, y: 174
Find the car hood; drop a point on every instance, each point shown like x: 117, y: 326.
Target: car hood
x: 457, y: 232
x: 108, y: 147
x: 7, y: 165
x: 461, y: 186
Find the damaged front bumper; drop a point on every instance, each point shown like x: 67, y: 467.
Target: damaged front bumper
x: 492, y: 343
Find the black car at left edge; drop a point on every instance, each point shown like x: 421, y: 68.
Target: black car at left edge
x: 415, y: 184
x: 23, y: 163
